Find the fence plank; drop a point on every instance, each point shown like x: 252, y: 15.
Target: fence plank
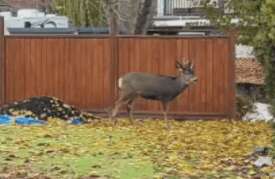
x: 2, y: 62
x: 210, y: 76
x: 183, y: 100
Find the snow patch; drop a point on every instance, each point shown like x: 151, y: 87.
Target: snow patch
x: 263, y: 161
x: 260, y: 113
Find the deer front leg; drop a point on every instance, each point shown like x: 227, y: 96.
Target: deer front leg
x: 114, y: 112
x: 123, y: 99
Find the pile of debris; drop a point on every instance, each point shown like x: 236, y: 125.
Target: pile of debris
x: 45, y: 107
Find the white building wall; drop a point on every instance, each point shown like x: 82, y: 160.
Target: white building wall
x: 160, y: 8
x: 244, y: 51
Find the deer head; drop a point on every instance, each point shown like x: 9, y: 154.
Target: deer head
x: 186, y: 71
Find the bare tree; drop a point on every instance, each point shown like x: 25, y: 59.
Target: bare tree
x: 129, y: 11
x: 144, y: 17
x: 112, y: 14
x: 132, y: 16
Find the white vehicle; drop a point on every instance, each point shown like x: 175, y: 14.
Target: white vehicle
x: 33, y: 18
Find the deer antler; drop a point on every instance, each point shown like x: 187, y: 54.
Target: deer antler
x: 185, y: 63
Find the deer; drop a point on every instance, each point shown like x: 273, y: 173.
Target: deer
x: 153, y: 87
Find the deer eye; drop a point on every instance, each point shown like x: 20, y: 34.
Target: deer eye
x: 188, y: 71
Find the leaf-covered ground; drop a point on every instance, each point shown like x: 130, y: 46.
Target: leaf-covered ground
x: 145, y: 150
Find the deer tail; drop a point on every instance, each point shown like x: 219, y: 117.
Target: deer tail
x: 120, y: 83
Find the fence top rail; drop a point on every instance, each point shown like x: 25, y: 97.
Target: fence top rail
x: 34, y: 36
x: 56, y: 36
x: 173, y: 36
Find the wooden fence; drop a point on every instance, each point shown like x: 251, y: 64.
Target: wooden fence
x: 83, y: 71
x: 214, y: 92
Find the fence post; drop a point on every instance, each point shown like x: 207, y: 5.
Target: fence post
x: 232, y: 40
x: 2, y: 61
x: 114, y: 53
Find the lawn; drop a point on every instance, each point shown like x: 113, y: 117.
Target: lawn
x: 145, y: 150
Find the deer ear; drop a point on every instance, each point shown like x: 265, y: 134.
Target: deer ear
x: 191, y: 66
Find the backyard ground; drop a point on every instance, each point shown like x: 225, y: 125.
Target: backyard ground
x: 145, y: 150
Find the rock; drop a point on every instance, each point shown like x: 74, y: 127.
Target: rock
x: 263, y: 161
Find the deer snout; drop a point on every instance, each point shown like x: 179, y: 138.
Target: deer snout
x: 194, y: 79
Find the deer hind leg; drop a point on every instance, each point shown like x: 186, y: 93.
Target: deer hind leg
x: 123, y: 99
x: 130, y: 106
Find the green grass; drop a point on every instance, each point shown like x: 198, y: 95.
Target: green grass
x: 273, y: 139
x: 76, y: 151
x: 141, y: 151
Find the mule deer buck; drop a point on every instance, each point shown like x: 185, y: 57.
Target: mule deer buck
x: 153, y: 87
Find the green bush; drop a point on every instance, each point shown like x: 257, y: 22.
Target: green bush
x: 244, y: 105
x: 256, y: 28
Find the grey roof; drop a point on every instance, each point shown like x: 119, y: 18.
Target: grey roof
x: 41, y: 30
x: 80, y: 31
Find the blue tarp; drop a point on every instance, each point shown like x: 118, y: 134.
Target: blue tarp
x: 27, y: 121
x: 76, y: 121
x: 6, y: 120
